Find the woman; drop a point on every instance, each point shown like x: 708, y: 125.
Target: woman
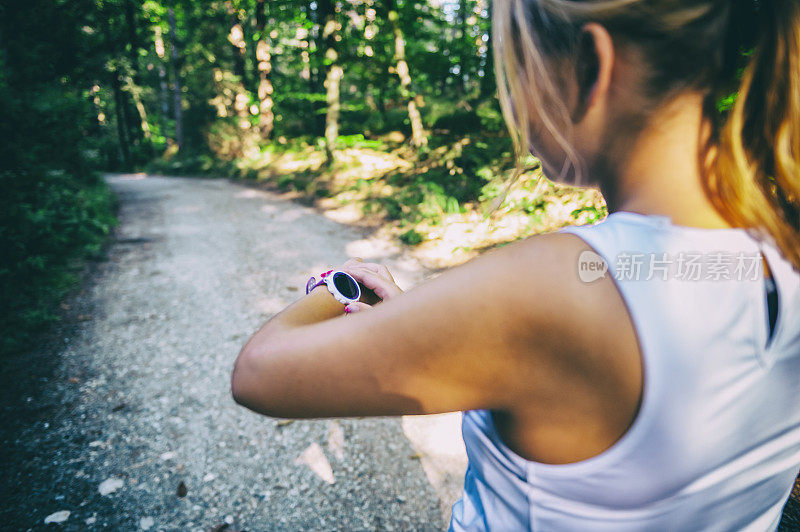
x: 660, y: 395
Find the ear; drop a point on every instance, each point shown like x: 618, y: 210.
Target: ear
x: 594, y: 65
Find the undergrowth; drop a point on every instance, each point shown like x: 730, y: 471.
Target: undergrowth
x: 412, y: 190
x: 50, y: 223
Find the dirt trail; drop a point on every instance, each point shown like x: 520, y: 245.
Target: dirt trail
x: 131, y: 396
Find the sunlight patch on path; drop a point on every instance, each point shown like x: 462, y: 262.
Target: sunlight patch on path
x: 315, y: 459
x: 130, y: 177
x: 250, y: 193
x: 336, y: 439
x: 437, y: 439
x: 344, y: 215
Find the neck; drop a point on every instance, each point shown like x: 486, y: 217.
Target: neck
x: 662, y: 173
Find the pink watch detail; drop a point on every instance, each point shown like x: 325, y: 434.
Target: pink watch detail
x: 312, y: 282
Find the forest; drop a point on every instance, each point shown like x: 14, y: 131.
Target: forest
x: 383, y: 109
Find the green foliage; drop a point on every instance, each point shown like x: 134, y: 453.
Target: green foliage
x: 111, y: 84
x: 460, y: 121
x: 448, y: 55
x: 54, y: 210
x: 48, y: 220
x: 418, y: 200
x: 726, y: 103
x: 411, y: 237
x: 358, y: 141
x: 589, y: 213
x: 491, y: 116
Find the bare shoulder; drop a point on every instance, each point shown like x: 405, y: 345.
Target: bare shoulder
x: 572, y: 332
x: 578, y: 322
x: 589, y: 372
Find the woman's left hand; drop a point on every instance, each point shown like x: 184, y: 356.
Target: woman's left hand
x: 376, y: 282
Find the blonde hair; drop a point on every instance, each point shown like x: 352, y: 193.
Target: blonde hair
x: 686, y: 44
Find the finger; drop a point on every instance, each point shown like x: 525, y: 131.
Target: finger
x: 365, y: 277
x: 385, y: 271
x: 356, y: 306
x: 352, y: 261
x: 380, y: 269
x: 367, y: 267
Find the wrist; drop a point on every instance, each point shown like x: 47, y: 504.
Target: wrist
x: 343, y: 286
x: 322, y: 296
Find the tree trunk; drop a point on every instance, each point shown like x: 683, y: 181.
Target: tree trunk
x: 131, y: 75
x: 133, y: 40
x: 135, y: 93
x: 317, y: 80
x: 99, y: 123
x: 306, y: 73
x: 176, y: 82
x: 122, y: 123
x: 332, y: 82
x: 100, y: 117
x: 463, y: 13
x: 236, y: 38
x: 266, y: 118
x: 382, y: 101
x: 133, y: 81
x: 333, y: 77
x: 162, y: 73
x: 120, y: 101
x: 418, y: 137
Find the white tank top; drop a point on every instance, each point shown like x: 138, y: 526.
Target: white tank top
x: 716, y: 442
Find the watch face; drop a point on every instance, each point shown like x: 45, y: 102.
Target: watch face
x: 346, y: 285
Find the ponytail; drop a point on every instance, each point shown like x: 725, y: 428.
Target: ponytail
x: 756, y: 182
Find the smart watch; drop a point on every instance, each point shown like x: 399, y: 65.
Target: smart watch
x: 341, y: 284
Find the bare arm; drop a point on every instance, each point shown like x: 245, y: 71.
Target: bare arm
x: 316, y: 306
x: 486, y: 334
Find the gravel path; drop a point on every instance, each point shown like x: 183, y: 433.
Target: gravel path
x: 124, y: 419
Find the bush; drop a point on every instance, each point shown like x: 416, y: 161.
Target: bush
x: 459, y: 122
x: 55, y: 209
x: 491, y: 117
x: 411, y: 237
x: 48, y: 222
